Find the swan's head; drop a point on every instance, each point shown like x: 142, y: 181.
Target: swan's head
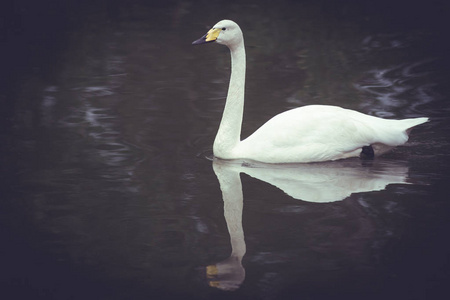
x: 226, y: 32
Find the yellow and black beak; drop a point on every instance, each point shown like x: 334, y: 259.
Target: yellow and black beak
x: 209, y: 37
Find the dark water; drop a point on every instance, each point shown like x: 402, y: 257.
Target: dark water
x: 108, y: 192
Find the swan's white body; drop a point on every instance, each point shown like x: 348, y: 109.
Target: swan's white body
x: 306, y: 134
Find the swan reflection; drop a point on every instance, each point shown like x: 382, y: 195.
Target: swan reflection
x: 229, y: 273
x: 317, y: 182
x: 321, y: 182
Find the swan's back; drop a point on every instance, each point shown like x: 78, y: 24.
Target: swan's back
x: 321, y: 132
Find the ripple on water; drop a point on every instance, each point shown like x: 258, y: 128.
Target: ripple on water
x: 397, y: 91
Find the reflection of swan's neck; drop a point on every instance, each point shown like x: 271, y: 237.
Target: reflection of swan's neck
x: 229, y: 133
x: 231, y: 186
x: 229, y: 273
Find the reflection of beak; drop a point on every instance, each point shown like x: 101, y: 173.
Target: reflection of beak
x: 211, y: 273
x: 211, y: 36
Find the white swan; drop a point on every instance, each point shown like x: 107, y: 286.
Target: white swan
x: 306, y: 134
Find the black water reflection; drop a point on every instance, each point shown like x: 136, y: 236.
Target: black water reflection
x: 102, y: 186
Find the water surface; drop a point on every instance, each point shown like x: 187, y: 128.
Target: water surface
x: 108, y: 186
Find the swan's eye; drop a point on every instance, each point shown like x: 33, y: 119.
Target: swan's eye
x: 224, y: 29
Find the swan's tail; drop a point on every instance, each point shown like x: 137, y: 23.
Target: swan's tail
x: 396, y: 132
x: 408, y: 124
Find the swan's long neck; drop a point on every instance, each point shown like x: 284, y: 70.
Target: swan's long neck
x: 229, y: 133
